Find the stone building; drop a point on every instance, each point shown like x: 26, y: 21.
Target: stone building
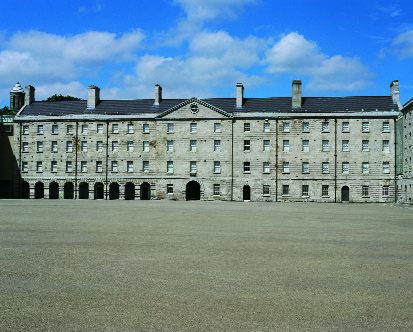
x: 327, y: 149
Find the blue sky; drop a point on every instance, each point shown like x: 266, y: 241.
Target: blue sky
x: 195, y: 48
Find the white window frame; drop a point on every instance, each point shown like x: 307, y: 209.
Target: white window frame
x: 114, y: 166
x: 69, y: 146
x: 386, y: 145
x: 306, y: 145
x: 365, y: 167
x: 365, y: 127
x: 53, y: 166
x: 385, y: 191
x: 217, y: 145
x: 247, y: 167
x: 131, y: 128
x: 286, y: 145
x: 365, y: 145
x: 84, y: 146
x: 129, y: 146
x: 145, y: 166
x: 265, y: 190
x: 216, y: 189
x: 85, y: 129
x: 345, y: 144
x: 325, y: 167
x: 25, y: 147
x: 247, y: 145
x: 145, y: 128
x: 170, y: 128
x: 83, y: 166
x: 286, y: 190
x: 69, y: 166
x: 305, y: 190
x: 306, y: 127
x: 324, y: 127
x: 286, y: 167
x: 345, y: 127
x: 169, y: 166
x: 325, y: 190
x: 306, y: 167
x: 217, y: 127
x: 345, y: 167
x: 386, y: 167
x: 145, y: 146
x: 192, y: 145
x: 99, y: 166
x: 286, y: 127
x: 25, y: 130
x: 217, y: 167
x: 99, y: 128
x: 325, y: 145
x: 247, y: 127
x: 266, y: 127
x: 266, y: 167
x: 193, y: 127
x: 192, y: 167
x: 365, y: 191
x: 129, y: 166
x: 55, y: 129
x: 169, y: 146
x: 115, y: 146
x: 40, y: 129
x: 386, y: 127
x: 99, y: 146
x: 54, y: 146
x: 69, y: 129
x: 39, y: 147
x: 169, y: 188
x: 115, y: 128
x: 25, y: 166
x: 266, y: 145
x: 39, y: 166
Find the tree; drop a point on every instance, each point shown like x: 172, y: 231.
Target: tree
x: 60, y: 97
x: 6, y: 111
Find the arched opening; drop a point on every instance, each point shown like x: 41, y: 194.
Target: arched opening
x: 68, y: 190
x: 39, y: 190
x: 114, y: 190
x: 25, y: 190
x: 84, y: 190
x: 145, y: 191
x: 53, y: 190
x: 99, y: 192
x: 129, y: 191
x: 246, y: 193
x: 345, y: 194
x: 193, y: 191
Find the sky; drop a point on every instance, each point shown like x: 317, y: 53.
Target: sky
x: 202, y: 48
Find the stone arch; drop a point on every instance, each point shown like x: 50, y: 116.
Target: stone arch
x: 345, y: 194
x: 68, y: 190
x: 246, y: 193
x: 39, y: 190
x: 99, y: 192
x: 84, y: 190
x: 193, y: 191
x: 114, y: 190
x: 25, y: 190
x: 129, y: 191
x: 53, y: 190
x: 145, y: 191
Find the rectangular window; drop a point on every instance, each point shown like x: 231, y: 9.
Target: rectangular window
x: 25, y: 130
x: 25, y: 166
x: 39, y: 166
x: 346, y: 146
x: 386, y: 167
x: 217, y: 145
x: 247, y: 168
x: 304, y: 190
x: 345, y: 167
x: 247, y: 145
x: 386, y: 126
x: 99, y: 166
x: 192, y: 145
x: 345, y: 127
x: 247, y: 127
x: 69, y: 166
x: 129, y: 166
x: 170, y: 166
x: 145, y: 145
x: 99, y: 128
x: 286, y: 167
x: 365, y: 191
x: 324, y: 146
x: 217, y: 190
x: 306, y: 145
x: 169, y: 146
x: 84, y: 129
x: 324, y: 190
x: 40, y: 129
x: 266, y: 128
x: 130, y: 128
x: 306, y: 167
x: 286, y: 145
x: 286, y: 190
x: 325, y: 167
x: 69, y: 129
x: 114, y: 166
x: 55, y: 129
x: 145, y: 128
x: 115, y: 128
x: 324, y: 126
x: 192, y: 127
x: 266, y: 144
x: 265, y: 167
x: 115, y: 146
x: 170, y: 128
x: 53, y: 166
x: 286, y: 127
x: 266, y: 190
x: 365, y: 145
x: 192, y: 167
x: 217, y: 127
x: 39, y: 146
x: 99, y: 146
x: 69, y: 146
x: 365, y: 167
x: 169, y: 188
x: 83, y: 166
x: 217, y: 167
x: 130, y: 146
x: 25, y: 147
x: 306, y: 127
x: 145, y: 166
x: 385, y: 191
x: 386, y: 147
x: 365, y: 127
x: 84, y: 146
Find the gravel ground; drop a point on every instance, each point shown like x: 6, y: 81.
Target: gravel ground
x: 204, y: 266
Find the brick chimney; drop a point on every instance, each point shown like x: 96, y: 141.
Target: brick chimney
x: 296, y: 100
x: 93, y: 96
x: 158, y: 94
x: 394, y: 93
x: 240, y: 94
x: 29, y: 95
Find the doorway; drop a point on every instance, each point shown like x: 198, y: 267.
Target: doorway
x: 99, y: 190
x: 193, y: 191
x: 84, y: 190
x: 145, y: 191
x: 68, y: 190
x: 129, y: 191
x: 345, y: 194
x: 39, y: 190
x: 114, y: 190
x: 246, y: 193
x: 53, y: 190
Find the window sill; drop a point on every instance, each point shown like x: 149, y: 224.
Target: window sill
x: 69, y: 171
x: 247, y: 172
x: 285, y: 172
x: 283, y: 195
x: 39, y: 172
x: 217, y: 172
x: 266, y: 195
x: 325, y: 196
x: 305, y: 196
x: 39, y: 151
x: 146, y: 133
x: 266, y: 172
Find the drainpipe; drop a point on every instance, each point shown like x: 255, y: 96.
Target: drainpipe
x: 77, y: 142
x: 335, y: 160
x: 107, y: 159
x: 276, y: 160
x: 232, y: 160
x: 20, y: 162
x: 395, y: 159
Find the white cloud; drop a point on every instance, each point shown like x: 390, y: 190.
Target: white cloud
x: 404, y: 44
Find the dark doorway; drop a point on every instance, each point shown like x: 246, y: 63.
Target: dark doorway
x: 114, y: 190
x: 84, y: 190
x: 25, y: 190
x: 99, y: 190
x: 193, y: 191
x: 53, y: 190
x: 145, y: 191
x: 39, y: 190
x: 246, y: 193
x: 129, y: 191
x: 68, y: 190
x: 345, y: 194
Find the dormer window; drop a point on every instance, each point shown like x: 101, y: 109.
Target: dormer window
x: 194, y: 108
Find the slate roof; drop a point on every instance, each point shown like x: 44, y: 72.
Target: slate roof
x: 275, y: 104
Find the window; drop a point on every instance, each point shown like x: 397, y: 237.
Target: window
x: 286, y: 145
x: 247, y: 127
x: 115, y: 128
x: 115, y: 146
x: 266, y: 190
x: 145, y: 128
x: 345, y: 167
x: 69, y: 146
x: 130, y: 128
x: 25, y: 147
x: 217, y: 167
x: 324, y: 190
x: 25, y: 166
x: 170, y: 128
x: 365, y: 145
x: 365, y: 167
x: 217, y: 127
x: 83, y: 166
x: 170, y: 166
x: 192, y: 167
x: 40, y: 129
x: 55, y: 129
x: 69, y: 166
x: 346, y: 146
x: 69, y: 129
x: 286, y: 190
x: 247, y: 168
x: 365, y: 191
x: 265, y: 167
x: 169, y: 188
x: 324, y: 145
x: 217, y: 189
x: 145, y: 145
x: 192, y: 127
x: 129, y: 166
x: 53, y: 166
x: 130, y: 146
x: 84, y: 129
x: 247, y: 145
x: 365, y: 127
x: 192, y: 145
x: 99, y: 128
x: 286, y: 167
x: 25, y: 130
x: 39, y: 146
x: 386, y: 147
x: 304, y: 190
x: 217, y: 145
x: 114, y: 166
x: 99, y: 166
x: 386, y: 167
x: 306, y: 126
x: 145, y: 166
x: 266, y: 144
x: 324, y: 126
x: 39, y: 166
x: 286, y: 127
x: 385, y: 191
x: 325, y: 167
x: 54, y: 146
x: 345, y: 127
x: 306, y: 146
x: 169, y: 146
x: 306, y: 167
x: 266, y: 127
x: 99, y: 146
x: 84, y: 146
x: 386, y: 126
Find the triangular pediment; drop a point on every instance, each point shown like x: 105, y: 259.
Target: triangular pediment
x: 194, y: 108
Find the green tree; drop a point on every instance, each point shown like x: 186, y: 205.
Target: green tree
x: 60, y: 97
x: 6, y: 111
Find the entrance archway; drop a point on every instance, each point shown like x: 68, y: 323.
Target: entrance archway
x: 114, y: 190
x: 145, y: 191
x: 98, y: 190
x: 53, y: 190
x: 68, y: 190
x: 39, y: 190
x: 193, y: 191
x: 345, y: 194
x: 84, y: 190
x: 25, y: 190
x: 246, y: 193
x: 129, y: 191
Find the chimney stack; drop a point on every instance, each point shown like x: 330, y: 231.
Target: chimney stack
x: 158, y: 94
x: 240, y: 94
x: 17, y: 97
x: 394, y: 93
x: 93, y: 96
x: 29, y: 95
x: 296, y: 100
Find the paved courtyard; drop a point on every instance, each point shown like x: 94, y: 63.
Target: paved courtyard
x: 70, y: 265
